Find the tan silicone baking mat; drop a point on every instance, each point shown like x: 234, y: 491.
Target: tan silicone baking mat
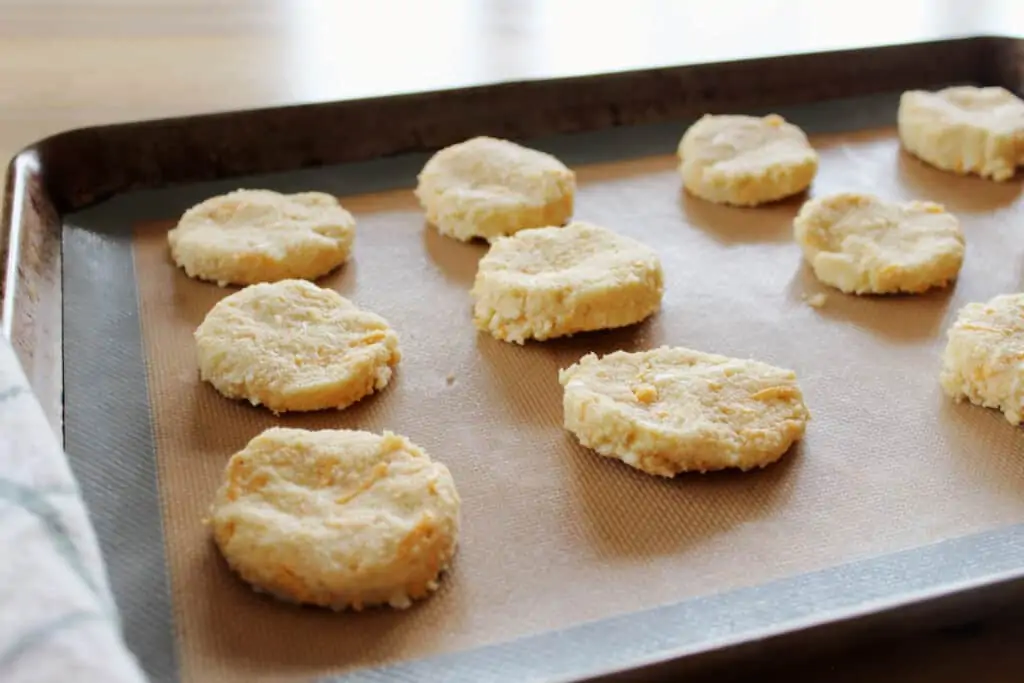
x: 554, y: 535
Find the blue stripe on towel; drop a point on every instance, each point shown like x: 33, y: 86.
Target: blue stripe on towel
x: 36, y: 504
x: 11, y: 392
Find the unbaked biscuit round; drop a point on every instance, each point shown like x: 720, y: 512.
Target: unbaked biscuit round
x: 861, y: 244
x: 251, y: 236
x: 486, y: 187
x: 964, y: 129
x: 337, y: 518
x: 746, y: 160
x: 673, y: 410
x: 984, y: 357
x: 293, y: 346
x: 551, y: 282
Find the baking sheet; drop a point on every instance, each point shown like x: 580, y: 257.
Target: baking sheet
x: 554, y: 536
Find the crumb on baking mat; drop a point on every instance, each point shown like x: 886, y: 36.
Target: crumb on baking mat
x: 815, y: 300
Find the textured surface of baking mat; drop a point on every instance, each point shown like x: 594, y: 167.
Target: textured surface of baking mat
x: 555, y: 537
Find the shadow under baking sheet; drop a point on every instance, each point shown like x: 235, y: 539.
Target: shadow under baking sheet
x: 564, y: 555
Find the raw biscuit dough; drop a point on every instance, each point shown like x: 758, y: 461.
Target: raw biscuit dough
x: 984, y: 357
x: 746, y: 160
x: 552, y: 282
x: 861, y: 244
x: 293, y: 346
x: 337, y: 518
x: 964, y: 129
x: 251, y: 236
x: 673, y: 410
x: 486, y: 187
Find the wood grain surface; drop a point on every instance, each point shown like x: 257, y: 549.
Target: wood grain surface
x: 71, y: 63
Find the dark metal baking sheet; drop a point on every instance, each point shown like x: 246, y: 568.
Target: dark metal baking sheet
x: 108, y: 438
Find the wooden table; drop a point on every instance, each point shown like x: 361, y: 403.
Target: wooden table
x: 71, y: 63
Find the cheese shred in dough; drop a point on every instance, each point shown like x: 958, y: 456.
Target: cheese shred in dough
x: 675, y: 410
x: 984, y: 357
x: 293, y: 346
x: 337, y: 518
x: 552, y: 282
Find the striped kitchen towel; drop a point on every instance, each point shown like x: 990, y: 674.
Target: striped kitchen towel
x: 57, y: 618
